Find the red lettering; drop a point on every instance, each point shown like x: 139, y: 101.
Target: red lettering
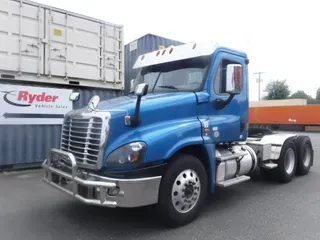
x: 23, y: 96
x: 54, y: 98
x: 40, y: 98
x: 48, y: 98
x: 32, y: 97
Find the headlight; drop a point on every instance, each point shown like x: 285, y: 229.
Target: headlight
x: 127, y: 154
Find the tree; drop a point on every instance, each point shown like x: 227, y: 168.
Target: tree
x: 277, y: 89
x: 300, y: 94
x: 318, y: 94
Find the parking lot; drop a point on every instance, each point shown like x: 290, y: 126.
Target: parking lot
x: 256, y: 209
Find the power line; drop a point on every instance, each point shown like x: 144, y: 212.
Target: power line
x: 259, y: 80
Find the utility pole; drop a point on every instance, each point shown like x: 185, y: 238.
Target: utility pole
x: 259, y: 80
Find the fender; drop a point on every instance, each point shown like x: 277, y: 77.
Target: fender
x: 163, y: 138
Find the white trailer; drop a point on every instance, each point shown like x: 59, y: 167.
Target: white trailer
x: 39, y: 43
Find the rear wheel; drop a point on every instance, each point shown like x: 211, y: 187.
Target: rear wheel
x: 183, y: 191
x: 287, y: 162
x: 304, y: 155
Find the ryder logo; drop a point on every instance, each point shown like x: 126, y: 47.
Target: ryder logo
x: 26, y: 99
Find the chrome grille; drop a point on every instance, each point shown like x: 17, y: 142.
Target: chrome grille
x: 83, y: 137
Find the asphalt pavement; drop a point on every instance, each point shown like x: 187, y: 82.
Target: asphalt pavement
x: 256, y: 209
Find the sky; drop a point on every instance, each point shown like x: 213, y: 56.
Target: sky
x: 281, y: 38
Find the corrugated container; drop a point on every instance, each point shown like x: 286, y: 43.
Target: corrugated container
x: 285, y: 115
x: 142, y: 45
x: 274, y: 103
x: 45, y: 52
x: 24, y: 145
x: 40, y: 43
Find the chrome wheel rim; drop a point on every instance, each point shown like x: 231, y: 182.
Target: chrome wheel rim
x: 186, y: 191
x: 289, y: 161
x: 306, y: 156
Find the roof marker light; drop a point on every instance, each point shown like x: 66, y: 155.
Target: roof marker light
x: 158, y: 53
x: 194, y: 46
x: 171, y: 50
x: 142, y: 57
x: 163, y: 52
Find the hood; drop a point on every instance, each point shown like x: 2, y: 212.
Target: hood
x: 155, y: 109
x: 128, y: 103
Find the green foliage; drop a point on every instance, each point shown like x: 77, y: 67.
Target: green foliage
x: 300, y: 94
x: 318, y: 94
x: 313, y: 101
x: 278, y: 89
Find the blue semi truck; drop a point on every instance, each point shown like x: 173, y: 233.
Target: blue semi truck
x: 182, y: 132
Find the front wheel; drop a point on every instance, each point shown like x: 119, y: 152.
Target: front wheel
x: 183, y: 191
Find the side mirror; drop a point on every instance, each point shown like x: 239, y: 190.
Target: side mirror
x: 234, y: 79
x: 131, y: 83
x: 74, y: 96
x: 141, y: 89
x: 93, y: 103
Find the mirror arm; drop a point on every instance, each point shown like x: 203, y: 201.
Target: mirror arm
x: 220, y: 103
x: 232, y: 94
x: 136, y: 119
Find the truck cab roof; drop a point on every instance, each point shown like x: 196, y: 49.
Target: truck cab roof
x: 184, y: 51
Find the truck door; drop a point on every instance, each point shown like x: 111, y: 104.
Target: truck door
x: 229, y: 75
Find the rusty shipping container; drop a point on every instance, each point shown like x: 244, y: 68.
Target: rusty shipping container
x: 277, y: 116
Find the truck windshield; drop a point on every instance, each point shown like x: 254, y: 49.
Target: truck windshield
x: 182, y: 75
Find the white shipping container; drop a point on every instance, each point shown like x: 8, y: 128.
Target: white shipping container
x: 39, y: 43
x: 274, y: 103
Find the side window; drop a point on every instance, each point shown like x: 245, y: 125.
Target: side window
x: 229, y: 77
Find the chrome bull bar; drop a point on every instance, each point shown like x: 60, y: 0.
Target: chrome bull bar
x: 130, y: 192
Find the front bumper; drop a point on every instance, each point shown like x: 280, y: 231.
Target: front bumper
x: 94, y: 189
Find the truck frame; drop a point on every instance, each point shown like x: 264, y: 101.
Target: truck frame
x: 182, y: 132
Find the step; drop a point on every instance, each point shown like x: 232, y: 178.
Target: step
x: 231, y: 156
x: 233, y: 181
x: 269, y: 165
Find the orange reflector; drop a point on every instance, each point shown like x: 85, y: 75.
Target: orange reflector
x: 194, y: 46
x: 171, y: 50
x: 163, y: 52
x: 135, y: 157
x: 206, y: 130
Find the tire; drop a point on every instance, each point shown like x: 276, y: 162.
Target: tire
x: 304, y: 155
x: 170, y: 191
x: 287, y: 162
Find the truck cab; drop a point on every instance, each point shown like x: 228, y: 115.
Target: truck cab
x: 180, y: 133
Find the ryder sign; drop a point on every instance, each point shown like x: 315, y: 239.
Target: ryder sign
x: 33, y: 105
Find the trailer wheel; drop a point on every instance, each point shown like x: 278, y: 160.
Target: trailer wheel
x: 305, y: 155
x: 287, y: 162
x: 183, y: 191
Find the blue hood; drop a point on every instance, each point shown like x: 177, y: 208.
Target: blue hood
x: 128, y: 103
x: 157, y: 110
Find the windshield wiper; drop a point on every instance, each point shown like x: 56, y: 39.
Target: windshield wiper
x: 168, y: 86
